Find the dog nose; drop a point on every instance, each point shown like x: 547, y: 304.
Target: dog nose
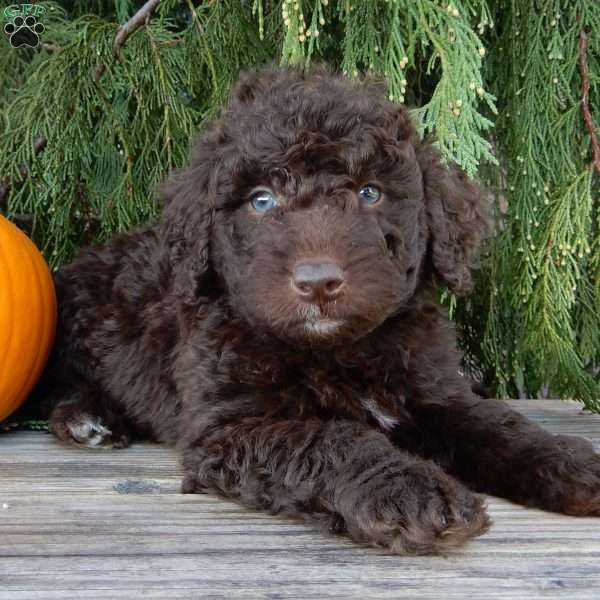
x: 318, y: 281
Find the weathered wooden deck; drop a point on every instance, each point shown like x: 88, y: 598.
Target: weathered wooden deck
x: 112, y: 524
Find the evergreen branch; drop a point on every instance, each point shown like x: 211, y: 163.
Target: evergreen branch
x: 163, y: 86
x: 38, y: 146
x: 140, y: 17
x: 202, y: 36
x: 585, y: 106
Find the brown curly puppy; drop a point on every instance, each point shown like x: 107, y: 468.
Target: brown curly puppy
x: 276, y: 326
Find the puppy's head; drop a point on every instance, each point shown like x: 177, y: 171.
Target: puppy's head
x: 318, y: 207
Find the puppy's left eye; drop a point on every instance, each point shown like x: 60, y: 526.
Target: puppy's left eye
x: 263, y: 200
x: 370, y: 194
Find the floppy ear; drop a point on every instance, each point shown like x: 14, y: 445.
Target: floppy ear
x: 189, y: 195
x: 188, y: 199
x: 456, y: 216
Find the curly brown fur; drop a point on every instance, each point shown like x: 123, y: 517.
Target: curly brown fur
x: 344, y: 406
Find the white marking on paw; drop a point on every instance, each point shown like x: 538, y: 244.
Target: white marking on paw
x: 386, y: 421
x: 88, y: 430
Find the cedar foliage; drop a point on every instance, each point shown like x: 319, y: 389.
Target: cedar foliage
x: 88, y: 127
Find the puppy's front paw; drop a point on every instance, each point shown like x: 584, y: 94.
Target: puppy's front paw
x: 570, y: 476
x: 200, y: 467
x: 417, y: 511
x: 76, y: 425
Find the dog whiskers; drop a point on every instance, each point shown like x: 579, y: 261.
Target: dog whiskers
x: 309, y: 311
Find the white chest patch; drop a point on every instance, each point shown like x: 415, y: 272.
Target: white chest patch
x: 384, y: 420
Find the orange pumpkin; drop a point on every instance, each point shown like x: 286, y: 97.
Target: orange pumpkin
x: 27, y: 316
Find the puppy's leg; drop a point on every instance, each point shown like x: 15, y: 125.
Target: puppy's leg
x: 342, y: 475
x: 81, y: 416
x: 499, y: 451
x: 79, y: 411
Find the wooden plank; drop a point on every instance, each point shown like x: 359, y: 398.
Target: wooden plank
x: 112, y: 524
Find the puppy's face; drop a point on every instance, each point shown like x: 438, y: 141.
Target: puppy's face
x: 321, y: 254
x: 319, y: 221
x: 321, y: 233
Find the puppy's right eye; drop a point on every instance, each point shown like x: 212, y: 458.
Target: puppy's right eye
x: 263, y: 200
x: 370, y: 194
